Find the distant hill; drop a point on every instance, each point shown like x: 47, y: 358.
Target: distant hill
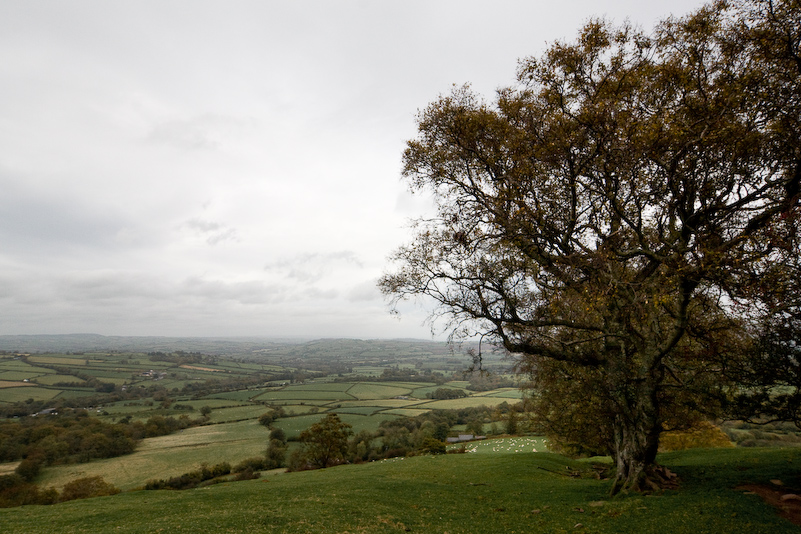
x: 234, y: 346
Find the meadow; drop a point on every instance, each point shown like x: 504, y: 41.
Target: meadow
x: 230, y: 393
x: 509, y: 484
x: 462, y: 493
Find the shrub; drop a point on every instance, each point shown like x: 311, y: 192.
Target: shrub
x: 84, y: 488
x: 275, y: 456
x: 192, y: 479
x: 247, y: 474
x: 701, y: 435
x: 253, y: 464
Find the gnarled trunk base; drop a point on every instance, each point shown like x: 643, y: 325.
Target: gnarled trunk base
x: 636, y: 443
x: 648, y: 478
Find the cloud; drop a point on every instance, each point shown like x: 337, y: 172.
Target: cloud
x: 202, y: 132
x: 313, y: 266
x: 365, y: 292
x: 213, y: 231
x: 53, y: 218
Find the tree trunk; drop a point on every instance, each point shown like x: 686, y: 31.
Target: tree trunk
x: 636, y: 440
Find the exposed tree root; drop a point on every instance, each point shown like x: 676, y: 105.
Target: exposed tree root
x: 648, y: 479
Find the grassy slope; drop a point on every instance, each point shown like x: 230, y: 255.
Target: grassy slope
x: 469, y: 493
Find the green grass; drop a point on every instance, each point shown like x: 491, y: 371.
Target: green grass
x: 236, y: 413
x: 506, y: 393
x: 49, y: 380
x: 369, y: 390
x: 517, y: 445
x: 19, y: 394
x: 172, y: 455
x: 457, y: 494
x: 466, y: 402
x: 299, y: 394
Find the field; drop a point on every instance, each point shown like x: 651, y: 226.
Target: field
x: 171, y: 455
x: 468, y: 493
x: 181, y: 385
x: 499, y: 485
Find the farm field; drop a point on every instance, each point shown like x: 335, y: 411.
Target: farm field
x: 171, y: 455
x: 457, y: 494
x: 226, y: 396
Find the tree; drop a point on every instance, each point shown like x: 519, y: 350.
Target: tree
x: 610, y: 212
x: 326, y: 442
x: 769, y: 380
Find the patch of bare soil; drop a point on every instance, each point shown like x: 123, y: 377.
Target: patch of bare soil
x: 786, y: 503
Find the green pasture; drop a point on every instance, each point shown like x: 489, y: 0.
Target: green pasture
x: 172, y: 455
x: 297, y: 394
x: 240, y: 395
x: 368, y: 390
x: 420, y: 393
x: 14, y: 376
x: 406, y: 412
x: 515, y: 445
x: 23, y: 393
x: 504, y: 393
x: 381, y: 403
x: 67, y: 361
x: 211, y: 403
x: 19, y: 365
x: 359, y: 410
x: 298, y: 409
x: 457, y: 384
x: 455, y: 494
x: 368, y: 370
x: 466, y: 402
x: 236, y: 413
x: 50, y: 380
x: 321, y: 386
x: 70, y: 393
x: 171, y: 384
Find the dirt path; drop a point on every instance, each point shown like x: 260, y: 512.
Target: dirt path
x: 787, y: 504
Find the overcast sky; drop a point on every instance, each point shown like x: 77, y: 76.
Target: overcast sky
x: 226, y: 168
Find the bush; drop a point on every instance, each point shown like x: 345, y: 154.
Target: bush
x: 29, y: 468
x: 84, y: 488
x: 192, y: 479
x: 701, y: 435
x: 275, y: 456
x: 247, y: 474
x: 253, y: 464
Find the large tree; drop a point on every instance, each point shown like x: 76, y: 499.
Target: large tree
x: 611, y: 211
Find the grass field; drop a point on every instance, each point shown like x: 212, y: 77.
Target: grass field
x: 455, y: 494
x: 171, y: 455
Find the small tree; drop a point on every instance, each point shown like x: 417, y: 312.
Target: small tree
x: 275, y: 454
x: 326, y: 443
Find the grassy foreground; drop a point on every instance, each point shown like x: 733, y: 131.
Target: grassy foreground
x: 469, y: 493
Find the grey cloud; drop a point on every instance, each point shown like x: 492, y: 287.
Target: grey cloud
x: 250, y: 292
x: 213, y: 231
x: 119, y: 288
x: 365, y: 292
x: 52, y: 217
x: 204, y: 132
x: 313, y: 266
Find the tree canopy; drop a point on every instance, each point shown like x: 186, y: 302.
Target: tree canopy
x: 609, y: 217
x: 326, y: 442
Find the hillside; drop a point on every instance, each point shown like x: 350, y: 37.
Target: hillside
x: 470, y: 493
